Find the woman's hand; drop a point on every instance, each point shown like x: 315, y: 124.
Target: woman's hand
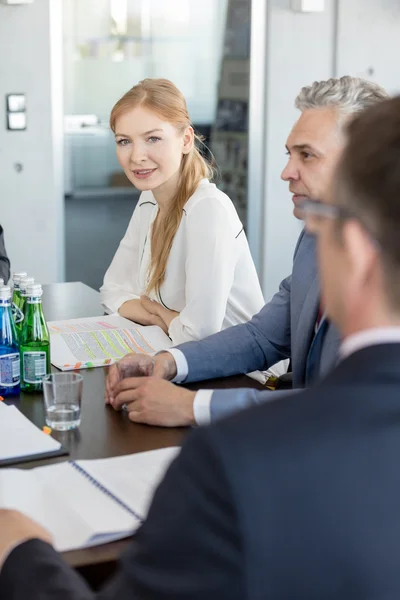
x: 158, y: 310
x: 133, y: 310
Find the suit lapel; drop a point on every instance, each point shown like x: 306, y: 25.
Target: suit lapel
x: 304, y: 331
x: 305, y: 298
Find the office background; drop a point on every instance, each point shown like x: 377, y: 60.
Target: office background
x: 64, y: 202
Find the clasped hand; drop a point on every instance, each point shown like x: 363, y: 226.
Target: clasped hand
x: 161, y: 316
x: 138, y: 383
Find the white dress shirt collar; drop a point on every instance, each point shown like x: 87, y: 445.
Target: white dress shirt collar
x: 369, y: 337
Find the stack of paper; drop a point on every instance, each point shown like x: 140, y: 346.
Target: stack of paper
x: 20, y: 438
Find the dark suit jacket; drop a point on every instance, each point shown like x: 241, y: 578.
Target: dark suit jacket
x: 295, y: 499
x: 4, y: 262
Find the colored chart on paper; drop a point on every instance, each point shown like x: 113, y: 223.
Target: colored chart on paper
x: 97, y: 341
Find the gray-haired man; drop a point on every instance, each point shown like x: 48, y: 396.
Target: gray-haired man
x: 292, y: 324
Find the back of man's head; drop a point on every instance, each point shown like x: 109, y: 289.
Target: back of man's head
x: 367, y: 184
x: 347, y: 94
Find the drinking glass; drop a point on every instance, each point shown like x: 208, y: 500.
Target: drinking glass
x: 62, y: 400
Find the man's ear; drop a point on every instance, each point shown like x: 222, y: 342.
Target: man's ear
x: 360, y: 251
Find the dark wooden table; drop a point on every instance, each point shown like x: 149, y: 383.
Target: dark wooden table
x: 103, y: 432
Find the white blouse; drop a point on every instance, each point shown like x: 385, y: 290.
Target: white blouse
x: 210, y: 278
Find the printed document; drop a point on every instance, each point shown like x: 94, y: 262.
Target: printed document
x: 99, y: 341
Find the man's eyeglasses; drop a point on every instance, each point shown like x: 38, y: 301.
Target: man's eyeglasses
x: 313, y: 213
x: 315, y: 209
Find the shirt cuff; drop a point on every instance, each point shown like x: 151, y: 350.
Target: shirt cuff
x: 182, y: 367
x: 202, y: 407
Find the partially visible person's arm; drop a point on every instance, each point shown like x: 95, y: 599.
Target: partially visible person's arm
x: 223, y: 403
x: 4, y: 261
x: 135, y: 311
x: 120, y: 291
x: 154, y: 401
x: 188, y: 548
x: 240, y: 349
x: 158, y: 310
x: 252, y: 346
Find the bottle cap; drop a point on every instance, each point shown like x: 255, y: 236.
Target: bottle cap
x: 34, y: 289
x: 19, y: 275
x: 5, y: 292
x: 24, y: 282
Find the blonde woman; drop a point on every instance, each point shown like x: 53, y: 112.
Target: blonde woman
x: 184, y: 263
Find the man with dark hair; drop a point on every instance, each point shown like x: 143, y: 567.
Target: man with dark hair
x: 4, y: 262
x: 298, y: 498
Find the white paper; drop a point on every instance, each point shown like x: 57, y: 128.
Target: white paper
x: 136, y: 476
x: 90, y: 515
x: 3, y: 407
x: 99, y: 341
x: 20, y: 437
x: 74, y: 509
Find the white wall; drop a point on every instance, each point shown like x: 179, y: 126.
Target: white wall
x: 369, y: 41
x: 299, y: 50
x: 32, y: 200
x: 351, y: 37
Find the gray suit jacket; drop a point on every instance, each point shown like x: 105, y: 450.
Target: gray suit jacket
x: 284, y: 328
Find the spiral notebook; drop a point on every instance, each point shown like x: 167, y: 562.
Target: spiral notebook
x: 89, y: 502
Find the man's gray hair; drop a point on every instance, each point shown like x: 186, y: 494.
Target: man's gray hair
x: 347, y: 94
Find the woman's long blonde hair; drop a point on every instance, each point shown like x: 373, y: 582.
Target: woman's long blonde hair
x: 163, y: 98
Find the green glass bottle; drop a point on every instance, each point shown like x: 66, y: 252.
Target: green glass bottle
x: 16, y: 292
x: 23, y: 285
x: 34, y: 342
x: 16, y: 299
